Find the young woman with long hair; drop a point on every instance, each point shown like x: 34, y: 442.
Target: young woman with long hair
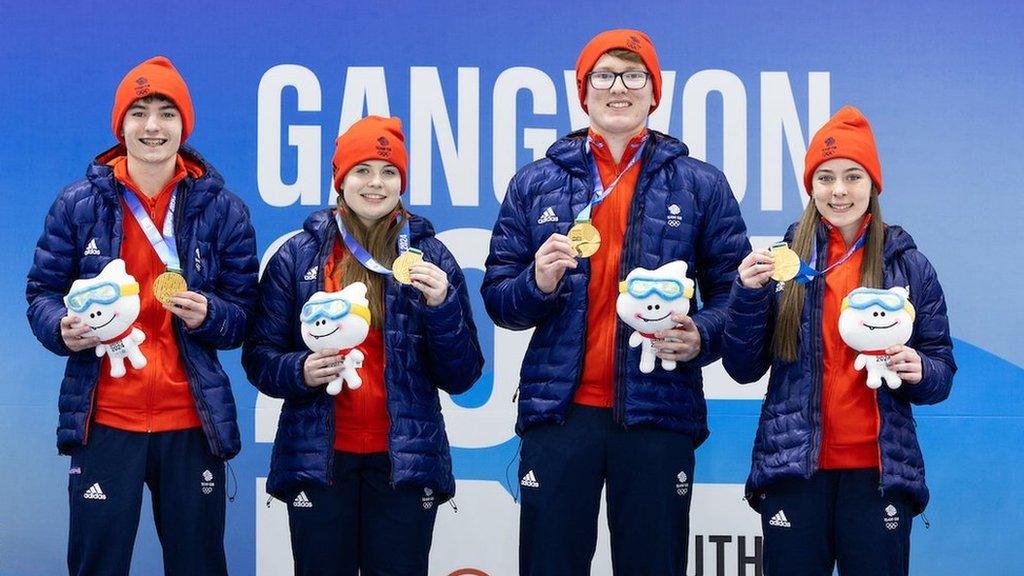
x: 837, y: 472
x: 363, y: 472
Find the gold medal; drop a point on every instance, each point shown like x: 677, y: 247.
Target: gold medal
x: 167, y: 284
x: 401, y: 266
x: 585, y: 239
x: 787, y: 263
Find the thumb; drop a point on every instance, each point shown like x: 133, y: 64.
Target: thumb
x: 684, y: 322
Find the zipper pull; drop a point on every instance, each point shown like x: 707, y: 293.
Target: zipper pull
x: 515, y: 396
x: 269, y: 500
x: 927, y: 524
x: 452, y: 504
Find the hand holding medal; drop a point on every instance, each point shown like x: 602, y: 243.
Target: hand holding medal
x: 553, y: 258
x: 757, y: 269
x: 190, y: 306
x: 409, y: 268
x: 430, y: 280
x: 169, y: 288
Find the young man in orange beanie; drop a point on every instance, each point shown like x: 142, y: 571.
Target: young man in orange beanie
x: 605, y: 201
x: 169, y: 424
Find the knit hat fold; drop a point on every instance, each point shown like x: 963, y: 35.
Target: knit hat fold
x: 846, y: 135
x: 156, y: 76
x: 633, y: 40
x: 372, y: 138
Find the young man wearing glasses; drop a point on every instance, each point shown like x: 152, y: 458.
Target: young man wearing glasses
x: 604, y: 201
x: 169, y: 421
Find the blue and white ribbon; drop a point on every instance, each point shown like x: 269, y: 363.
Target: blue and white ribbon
x: 600, y: 192
x: 164, y: 244
x: 362, y: 255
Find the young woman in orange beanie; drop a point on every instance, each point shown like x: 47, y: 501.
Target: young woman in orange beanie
x: 363, y: 472
x: 837, y: 472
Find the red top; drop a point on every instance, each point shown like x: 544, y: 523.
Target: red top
x: 361, y: 420
x: 155, y: 398
x: 849, y: 424
x: 609, y: 217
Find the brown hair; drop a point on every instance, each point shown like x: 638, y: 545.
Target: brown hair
x: 380, y: 240
x: 627, y: 55
x: 787, y: 321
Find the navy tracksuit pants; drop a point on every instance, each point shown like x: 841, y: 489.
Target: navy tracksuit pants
x: 105, y: 484
x: 648, y: 477
x: 835, y: 517
x: 360, y: 524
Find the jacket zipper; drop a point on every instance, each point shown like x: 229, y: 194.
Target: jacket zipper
x: 817, y: 296
x: 116, y: 245
x: 193, y: 381
x: 878, y: 442
x: 583, y: 342
x: 387, y: 393
x: 325, y: 250
x: 636, y: 212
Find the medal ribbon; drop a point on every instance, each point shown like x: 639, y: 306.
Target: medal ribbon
x: 600, y: 193
x: 164, y: 244
x: 807, y: 273
x: 362, y: 255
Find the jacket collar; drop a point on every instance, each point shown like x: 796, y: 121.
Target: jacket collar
x: 320, y: 225
x: 897, y: 240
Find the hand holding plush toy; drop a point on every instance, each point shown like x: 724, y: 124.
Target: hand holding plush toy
x: 871, y: 321
x: 338, y: 320
x: 647, y: 300
x: 109, y: 305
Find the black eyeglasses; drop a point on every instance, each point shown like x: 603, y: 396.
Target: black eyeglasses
x: 632, y: 79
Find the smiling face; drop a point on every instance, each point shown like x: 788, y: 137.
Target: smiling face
x: 869, y: 322
x: 648, y: 298
x: 372, y: 189
x: 336, y: 319
x: 841, y: 190
x: 618, y: 111
x: 108, y: 303
x: 152, y: 130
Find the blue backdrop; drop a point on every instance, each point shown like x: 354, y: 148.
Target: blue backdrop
x: 481, y: 89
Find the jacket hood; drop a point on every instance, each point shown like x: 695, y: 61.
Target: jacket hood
x: 202, y: 189
x: 571, y: 154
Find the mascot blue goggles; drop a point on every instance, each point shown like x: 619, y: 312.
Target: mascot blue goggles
x: 868, y: 297
x: 330, y: 309
x: 105, y: 293
x: 667, y: 288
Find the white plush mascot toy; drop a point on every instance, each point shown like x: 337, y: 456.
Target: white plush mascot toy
x: 647, y: 300
x: 338, y: 320
x: 872, y: 320
x: 109, y: 304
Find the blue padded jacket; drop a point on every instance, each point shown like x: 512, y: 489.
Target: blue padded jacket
x: 682, y: 209
x: 788, y: 437
x: 425, y: 349
x: 217, y: 247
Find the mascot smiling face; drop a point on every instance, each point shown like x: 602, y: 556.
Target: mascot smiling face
x: 647, y: 300
x: 338, y: 320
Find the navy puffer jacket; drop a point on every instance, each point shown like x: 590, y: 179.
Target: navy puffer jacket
x: 217, y: 248
x: 788, y: 438
x: 425, y: 348
x: 682, y: 209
